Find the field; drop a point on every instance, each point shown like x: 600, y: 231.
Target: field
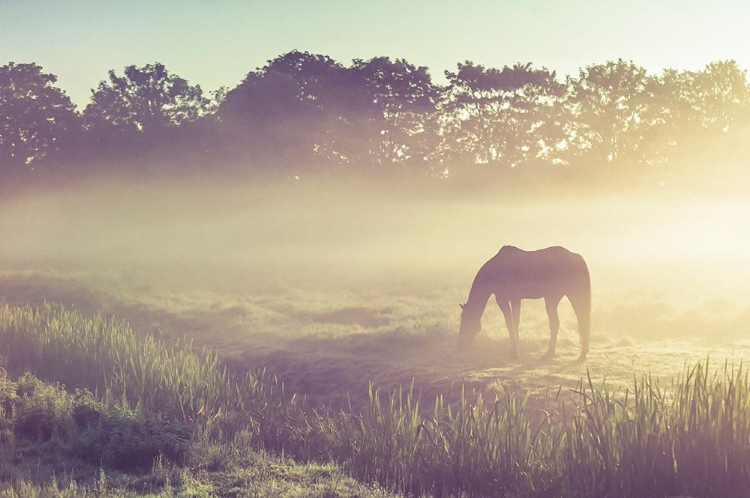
x: 337, y: 291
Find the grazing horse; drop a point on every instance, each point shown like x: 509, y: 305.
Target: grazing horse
x: 513, y: 274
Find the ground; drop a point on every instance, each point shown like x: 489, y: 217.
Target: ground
x: 328, y: 343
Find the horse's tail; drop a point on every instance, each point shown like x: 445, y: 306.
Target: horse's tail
x: 581, y: 302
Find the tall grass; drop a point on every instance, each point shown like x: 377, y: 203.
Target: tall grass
x: 690, y: 436
x: 108, y: 357
x: 471, y: 447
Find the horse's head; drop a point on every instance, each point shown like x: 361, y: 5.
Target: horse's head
x: 470, y: 326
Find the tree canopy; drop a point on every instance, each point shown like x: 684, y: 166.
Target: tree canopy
x: 36, y: 117
x: 140, y: 107
x: 303, y: 113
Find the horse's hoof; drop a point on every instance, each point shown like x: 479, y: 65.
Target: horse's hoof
x: 581, y: 358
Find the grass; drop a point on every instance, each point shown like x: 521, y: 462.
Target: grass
x: 61, y: 444
x: 104, y: 396
x: 107, y: 357
x: 689, y: 438
x: 250, y: 475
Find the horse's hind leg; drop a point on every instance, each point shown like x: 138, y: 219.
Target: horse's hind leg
x: 582, y: 306
x: 554, y: 325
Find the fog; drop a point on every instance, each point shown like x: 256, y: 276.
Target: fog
x: 652, y: 252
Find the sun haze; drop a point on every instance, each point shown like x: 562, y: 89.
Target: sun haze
x: 211, y: 273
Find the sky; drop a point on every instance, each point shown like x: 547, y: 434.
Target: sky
x: 216, y: 43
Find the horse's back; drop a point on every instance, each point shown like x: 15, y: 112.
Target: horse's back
x: 535, y: 274
x: 550, y: 258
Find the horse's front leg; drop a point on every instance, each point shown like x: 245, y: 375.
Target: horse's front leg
x: 515, y: 307
x: 554, y: 325
x: 505, y: 307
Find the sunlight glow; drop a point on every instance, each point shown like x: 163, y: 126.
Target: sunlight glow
x: 705, y: 231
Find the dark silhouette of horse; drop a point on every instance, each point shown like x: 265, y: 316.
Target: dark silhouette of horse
x: 513, y: 274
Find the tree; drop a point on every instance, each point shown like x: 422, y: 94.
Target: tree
x: 706, y: 116
x: 508, y: 116
x: 143, y: 103
x: 613, y: 108
x: 305, y: 109
x: 296, y: 111
x: 715, y: 99
x: 36, y: 117
x: 403, y: 119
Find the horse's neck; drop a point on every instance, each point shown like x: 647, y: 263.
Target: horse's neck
x: 478, y: 296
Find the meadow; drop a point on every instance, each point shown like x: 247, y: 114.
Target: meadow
x: 289, y: 341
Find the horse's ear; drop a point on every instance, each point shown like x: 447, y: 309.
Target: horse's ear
x: 462, y: 305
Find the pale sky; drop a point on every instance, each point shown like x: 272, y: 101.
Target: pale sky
x: 216, y: 43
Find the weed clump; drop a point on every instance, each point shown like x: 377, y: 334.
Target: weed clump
x: 45, y: 422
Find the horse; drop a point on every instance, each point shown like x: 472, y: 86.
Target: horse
x: 514, y: 274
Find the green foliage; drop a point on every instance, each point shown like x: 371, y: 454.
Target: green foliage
x: 36, y: 117
x: 44, y: 422
x: 108, y: 357
x: 503, y: 117
x: 146, y: 99
x: 691, y: 438
x: 86, y: 457
x: 303, y: 113
x: 473, y: 447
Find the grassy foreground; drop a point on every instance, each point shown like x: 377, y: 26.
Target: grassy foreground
x: 90, y: 408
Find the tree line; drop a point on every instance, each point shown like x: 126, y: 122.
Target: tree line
x: 302, y: 114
